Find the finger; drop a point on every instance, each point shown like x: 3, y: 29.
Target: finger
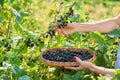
x: 62, y: 31
x: 77, y: 59
x: 59, y: 31
x: 56, y: 28
x: 65, y: 32
x: 73, y: 68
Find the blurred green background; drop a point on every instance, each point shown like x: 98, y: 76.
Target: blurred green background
x: 23, y: 23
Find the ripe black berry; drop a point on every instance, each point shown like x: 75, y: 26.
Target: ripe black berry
x: 29, y: 42
x: 66, y: 55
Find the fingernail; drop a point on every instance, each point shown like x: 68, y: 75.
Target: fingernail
x: 61, y: 31
x: 74, y: 57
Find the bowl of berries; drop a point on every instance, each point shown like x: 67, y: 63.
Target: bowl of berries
x: 59, y: 57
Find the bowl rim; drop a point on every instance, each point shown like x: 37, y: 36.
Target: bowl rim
x: 65, y: 64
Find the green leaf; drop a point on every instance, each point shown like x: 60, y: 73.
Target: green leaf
x: 1, y: 2
x: 31, y: 64
x: 106, y: 57
x: 17, y: 72
x: 98, y: 37
x: 103, y: 48
x: 15, y: 61
x: 19, y: 29
x: 115, y: 33
x: 87, y: 77
x: 77, y: 6
x: 17, y: 14
x: 25, y: 78
x: 67, y: 77
x: 5, y: 78
x: 1, y: 18
x: 11, y: 1
x: 77, y: 76
x: 52, y: 12
x: 23, y: 13
x: 18, y: 19
x: 117, y: 71
x: 68, y: 44
x: 67, y: 0
x: 75, y: 18
x: 57, y: 71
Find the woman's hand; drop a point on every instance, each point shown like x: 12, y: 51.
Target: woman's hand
x: 91, y: 67
x: 82, y: 64
x: 69, y: 29
x: 103, y: 26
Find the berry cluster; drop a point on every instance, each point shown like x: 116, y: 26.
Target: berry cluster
x: 60, y: 22
x: 29, y: 42
x: 66, y: 55
x: 63, y: 21
x: 50, y: 33
x: 6, y: 43
x: 8, y: 47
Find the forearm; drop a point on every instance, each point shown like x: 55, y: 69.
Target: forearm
x: 118, y: 19
x: 102, y: 70
x: 104, y: 26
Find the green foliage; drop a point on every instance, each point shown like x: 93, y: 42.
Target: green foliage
x: 24, y: 78
x: 76, y: 76
x: 115, y: 33
x: 22, y: 27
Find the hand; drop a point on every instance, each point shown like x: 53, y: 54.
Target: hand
x: 91, y: 67
x: 69, y: 29
x: 83, y: 64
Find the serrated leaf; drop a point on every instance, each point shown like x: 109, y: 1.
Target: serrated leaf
x: 57, y: 71
x: 19, y: 29
x: 103, y: 48
x: 67, y: 77
x: 106, y: 58
x: 98, y: 37
x: 115, y: 33
x: 17, y: 72
x: 17, y: 14
x: 75, y: 18
x: 25, y: 78
x: 17, y: 20
x: 77, y: 6
x: 23, y: 13
x: 77, y: 76
x: 52, y: 12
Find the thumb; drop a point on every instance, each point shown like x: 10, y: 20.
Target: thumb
x: 77, y: 59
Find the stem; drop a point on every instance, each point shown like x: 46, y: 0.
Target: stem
x: 58, y: 12
x: 9, y: 26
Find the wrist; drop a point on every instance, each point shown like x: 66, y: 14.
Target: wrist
x: 92, y: 68
x: 73, y: 26
x: 117, y: 19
